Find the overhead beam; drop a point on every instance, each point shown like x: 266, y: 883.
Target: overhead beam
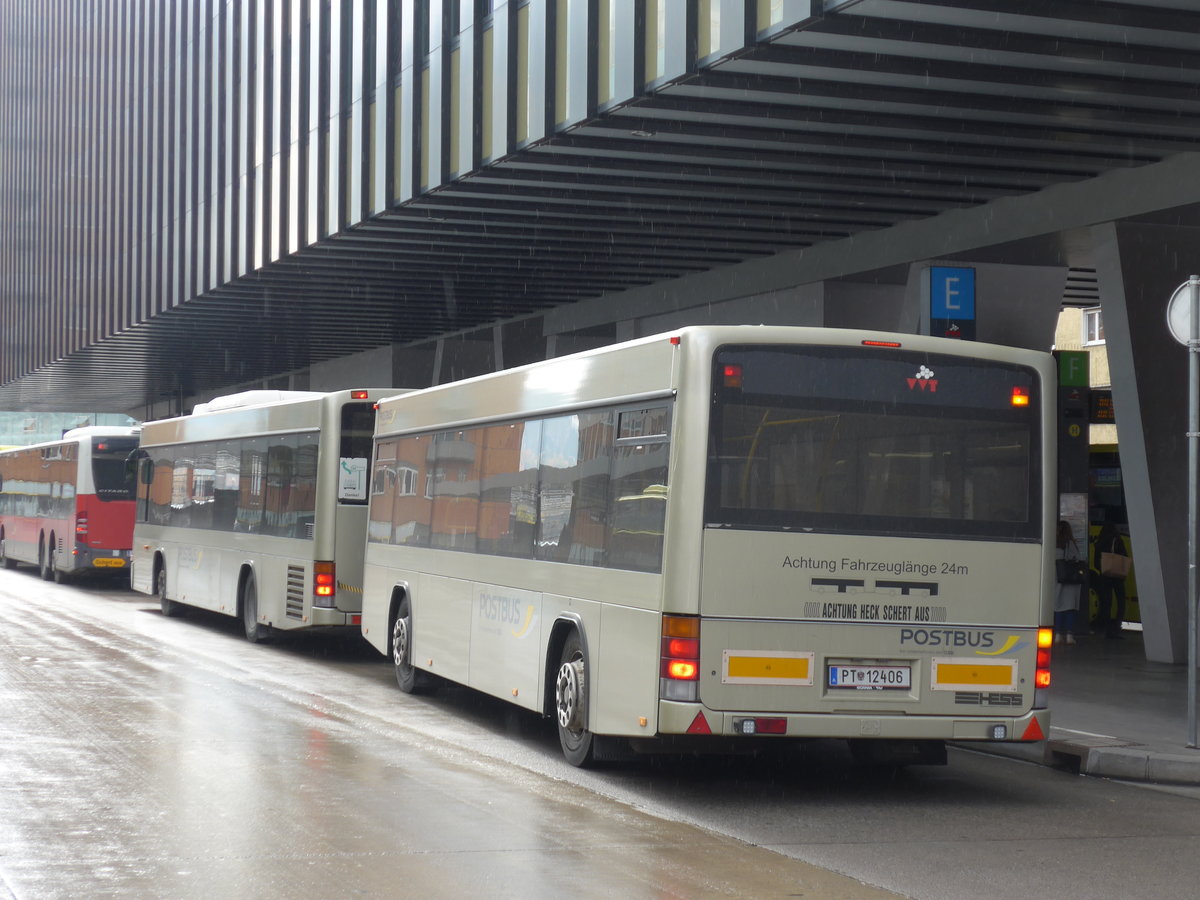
x: 1120, y: 194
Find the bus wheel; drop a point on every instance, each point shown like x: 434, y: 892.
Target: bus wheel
x: 170, y: 608
x: 256, y: 632
x: 570, y: 703
x: 46, y: 563
x: 411, y: 679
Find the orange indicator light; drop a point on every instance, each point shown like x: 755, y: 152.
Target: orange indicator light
x: 681, y: 626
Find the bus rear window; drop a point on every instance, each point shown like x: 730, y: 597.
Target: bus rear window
x: 358, y: 430
x: 878, y: 441
x: 112, y: 474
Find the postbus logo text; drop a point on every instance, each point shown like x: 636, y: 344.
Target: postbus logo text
x: 508, y: 610
x: 947, y: 637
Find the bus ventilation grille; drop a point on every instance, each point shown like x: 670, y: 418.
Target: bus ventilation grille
x: 295, y: 592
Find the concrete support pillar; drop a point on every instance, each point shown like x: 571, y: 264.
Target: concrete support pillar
x: 1137, y: 267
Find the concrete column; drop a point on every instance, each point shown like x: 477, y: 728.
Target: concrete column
x: 1137, y: 267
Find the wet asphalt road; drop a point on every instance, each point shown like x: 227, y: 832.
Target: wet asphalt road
x: 148, y: 757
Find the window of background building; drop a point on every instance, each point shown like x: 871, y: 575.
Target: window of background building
x: 1093, y: 326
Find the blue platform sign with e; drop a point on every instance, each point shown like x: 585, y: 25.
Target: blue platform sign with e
x: 952, y: 302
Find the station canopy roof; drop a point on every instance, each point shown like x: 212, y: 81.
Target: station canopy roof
x: 878, y: 114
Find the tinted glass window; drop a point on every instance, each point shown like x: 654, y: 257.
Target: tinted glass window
x: 114, y: 479
x: 589, y: 488
x: 873, y: 441
x: 455, y: 488
x: 573, y: 498
x: 358, y: 429
x: 508, y: 499
x: 638, y: 506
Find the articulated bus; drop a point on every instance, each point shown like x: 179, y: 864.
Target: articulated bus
x: 66, y: 506
x: 255, y: 506
x: 699, y: 540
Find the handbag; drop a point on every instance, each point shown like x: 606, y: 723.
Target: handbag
x: 1069, y: 571
x: 1114, y: 565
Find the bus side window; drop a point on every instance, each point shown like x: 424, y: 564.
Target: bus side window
x: 455, y: 493
x: 574, y: 488
x: 508, y: 489
x: 638, y: 502
x: 413, y: 508
x: 252, y: 486
x: 145, y: 477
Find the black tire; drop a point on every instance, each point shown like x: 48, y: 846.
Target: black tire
x: 570, y: 703
x: 5, y: 562
x: 46, y: 561
x: 410, y: 679
x: 170, y: 608
x: 256, y: 632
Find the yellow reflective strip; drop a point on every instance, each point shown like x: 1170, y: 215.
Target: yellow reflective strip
x: 767, y: 667
x: 955, y: 673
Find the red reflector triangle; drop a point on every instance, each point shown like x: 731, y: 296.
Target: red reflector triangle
x: 699, y: 725
x: 1033, y: 732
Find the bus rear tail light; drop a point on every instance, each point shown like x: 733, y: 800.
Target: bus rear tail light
x: 1020, y: 396
x: 679, y: 664
x: 324, y: 583
x: 81, y: 524
x: 1041, y: 675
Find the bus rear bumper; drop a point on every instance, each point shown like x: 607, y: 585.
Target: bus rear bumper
x: 324, y: 616
x: 86, y: 559
x: 696, y: 719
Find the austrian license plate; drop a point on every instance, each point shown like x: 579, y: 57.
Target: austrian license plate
x: 114, y: 562
x: 870, y: 678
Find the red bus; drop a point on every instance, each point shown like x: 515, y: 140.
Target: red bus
x: 67, y: 506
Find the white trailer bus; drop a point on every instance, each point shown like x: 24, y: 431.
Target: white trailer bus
x: 727, y: 534
x: 255, y: 506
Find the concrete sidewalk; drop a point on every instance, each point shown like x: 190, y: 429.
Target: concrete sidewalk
x: 1114, y: 714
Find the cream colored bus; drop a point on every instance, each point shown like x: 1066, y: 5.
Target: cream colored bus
x: 729, y: 534
x: 255, y: 506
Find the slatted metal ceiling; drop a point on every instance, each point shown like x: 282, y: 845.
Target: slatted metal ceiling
x: 882, y: 112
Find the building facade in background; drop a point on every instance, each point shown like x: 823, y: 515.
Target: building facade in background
x: 18, y: 429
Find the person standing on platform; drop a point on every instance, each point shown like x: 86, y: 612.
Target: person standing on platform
x: 1109, y: 586
x: 1066, y: 601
